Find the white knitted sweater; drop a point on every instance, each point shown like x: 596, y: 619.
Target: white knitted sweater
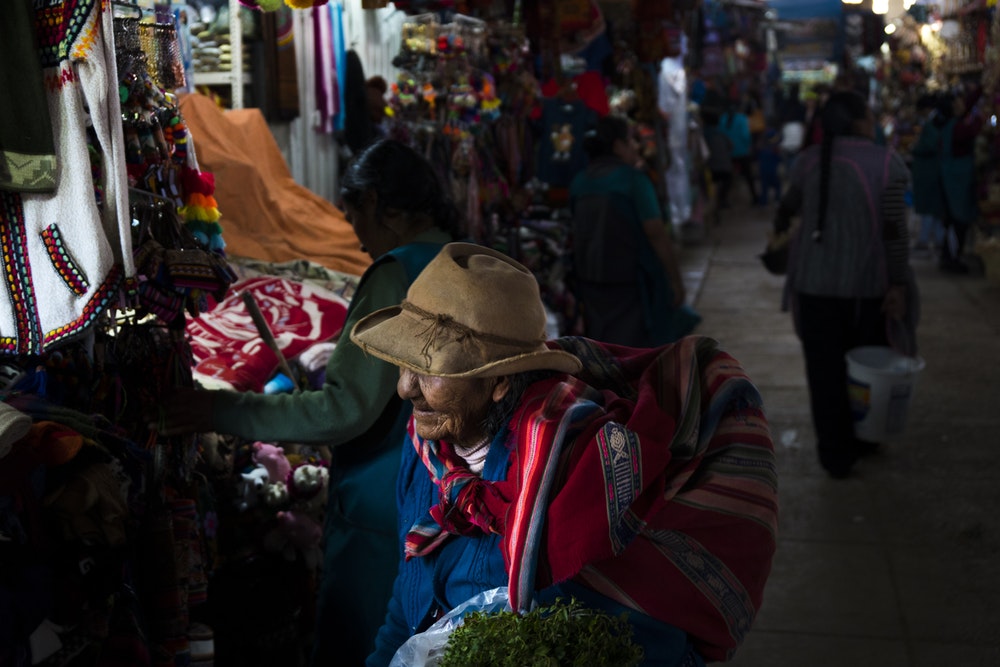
x: 64, y: 255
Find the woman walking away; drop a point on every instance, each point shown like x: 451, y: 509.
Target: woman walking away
x: 736, y: 125
x: 849, y: 276
x: 958, y: 174
x: 720, y: 161
x: 928, y: 195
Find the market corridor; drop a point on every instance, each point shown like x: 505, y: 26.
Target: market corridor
x: 895, y: 566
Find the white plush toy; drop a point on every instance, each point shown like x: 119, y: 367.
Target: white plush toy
x: 251, y: 487
x: 308, y: 485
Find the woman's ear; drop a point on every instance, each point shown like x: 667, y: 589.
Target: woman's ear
x: 501, y: 388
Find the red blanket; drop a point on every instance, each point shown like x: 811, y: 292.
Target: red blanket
x: 685, y: 529
x: 227, y: 347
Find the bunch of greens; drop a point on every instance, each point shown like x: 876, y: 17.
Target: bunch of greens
x: 563, y: 634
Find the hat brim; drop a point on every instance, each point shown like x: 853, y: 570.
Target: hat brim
x: 392, y: 336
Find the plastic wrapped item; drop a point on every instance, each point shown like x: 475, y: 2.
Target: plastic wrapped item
x: 426, y: 648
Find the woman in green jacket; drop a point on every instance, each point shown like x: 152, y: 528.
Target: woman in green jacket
x: 402, y: 216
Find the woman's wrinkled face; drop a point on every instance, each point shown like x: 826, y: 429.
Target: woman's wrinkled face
x: 450, y: 409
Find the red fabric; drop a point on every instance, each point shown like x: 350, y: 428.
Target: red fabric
x: 590, y: 89
x: 225, y: 343
x: 685, y: 530
x: 465, y: 504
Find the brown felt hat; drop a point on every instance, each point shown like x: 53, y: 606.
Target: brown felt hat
x: 472, y: 312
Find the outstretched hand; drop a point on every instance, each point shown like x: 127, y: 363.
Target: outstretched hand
x: 183, y: 411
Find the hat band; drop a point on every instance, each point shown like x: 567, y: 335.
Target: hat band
x: 440, y: 322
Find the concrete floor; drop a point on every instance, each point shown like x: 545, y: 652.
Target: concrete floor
x: 898, y: 565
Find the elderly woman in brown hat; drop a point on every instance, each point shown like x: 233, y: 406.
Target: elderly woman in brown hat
x: 638, y: 481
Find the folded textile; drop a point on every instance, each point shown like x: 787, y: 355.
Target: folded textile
x: 227, y: 348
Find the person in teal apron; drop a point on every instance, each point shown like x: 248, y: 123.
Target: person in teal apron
x: 626, y: 275
x: 402, y: 215
x: 958, y: 178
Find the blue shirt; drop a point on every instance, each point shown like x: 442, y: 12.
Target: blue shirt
x: 466, y: 566
x: 738, y: 131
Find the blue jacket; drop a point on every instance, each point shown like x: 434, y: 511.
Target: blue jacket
x: 736, y: 126
x: 462, y: 567
x: 456, y: 571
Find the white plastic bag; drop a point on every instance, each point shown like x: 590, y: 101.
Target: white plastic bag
x: 793, y: 135
x: 425, y: 649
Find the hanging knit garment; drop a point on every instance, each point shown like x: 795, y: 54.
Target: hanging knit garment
x: 66, y: 253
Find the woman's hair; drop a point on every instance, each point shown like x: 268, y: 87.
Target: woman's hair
x: 501, y: 411
x: 403, y: 181
x: 839, y: 116
x: 599, y: 141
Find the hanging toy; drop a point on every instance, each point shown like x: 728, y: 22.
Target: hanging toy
x: 405, y: 91
x: 429, y: 95
x: 489, y: 103
x: 562, y: 142
x: 200, y: 211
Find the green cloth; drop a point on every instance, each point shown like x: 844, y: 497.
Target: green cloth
x: 27, y: 150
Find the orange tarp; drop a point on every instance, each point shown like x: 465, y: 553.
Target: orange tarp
x: 266, y: 215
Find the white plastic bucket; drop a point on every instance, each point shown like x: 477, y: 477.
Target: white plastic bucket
x: 880, y: 384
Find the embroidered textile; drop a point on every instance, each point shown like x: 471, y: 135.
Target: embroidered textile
x: 73, y: 246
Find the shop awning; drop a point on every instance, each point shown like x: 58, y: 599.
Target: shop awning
x: 806, y: 9
x: 749, y: 4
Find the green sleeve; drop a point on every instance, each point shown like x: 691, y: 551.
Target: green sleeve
x: 357, y: 388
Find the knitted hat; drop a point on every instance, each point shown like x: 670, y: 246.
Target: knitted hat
x: 472, y: 312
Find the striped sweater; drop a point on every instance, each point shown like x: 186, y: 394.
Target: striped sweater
x: 865, y: 236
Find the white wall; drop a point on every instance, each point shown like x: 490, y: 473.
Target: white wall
x: 375, y: 35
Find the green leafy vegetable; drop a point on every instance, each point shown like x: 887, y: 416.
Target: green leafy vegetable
x: 565, y: 634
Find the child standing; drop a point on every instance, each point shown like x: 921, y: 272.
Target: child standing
x: 768, y: 162
x: 719, y: 162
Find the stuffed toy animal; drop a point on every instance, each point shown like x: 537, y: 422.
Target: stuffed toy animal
x: 273, y: 458
x: 307, y: 486
x: 278, y: 467
x: 295, y: 533
x: 252, y: 486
